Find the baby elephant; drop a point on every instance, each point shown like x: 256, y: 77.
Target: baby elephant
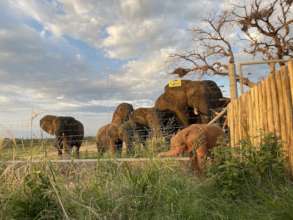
x: 197, y: 139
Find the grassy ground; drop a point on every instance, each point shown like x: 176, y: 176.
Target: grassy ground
x: 240, y: 184
x: 43, y: 149
x: 40, y: 149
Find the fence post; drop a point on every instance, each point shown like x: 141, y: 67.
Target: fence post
x: 239, y: 72
x: 233, y: 83
x: 290, y: 68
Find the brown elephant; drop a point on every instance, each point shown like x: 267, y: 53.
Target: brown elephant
x: 197, y: 96
x: 149, y: 118
x: 68, y: 131
x: 197, y: 139
x: 110, y: 136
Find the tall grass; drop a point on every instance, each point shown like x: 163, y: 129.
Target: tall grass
x: 248, y: 183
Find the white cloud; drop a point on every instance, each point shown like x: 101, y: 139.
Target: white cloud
x: 40, y: 68
x: 3, y: 99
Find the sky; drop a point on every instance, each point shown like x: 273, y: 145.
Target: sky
x: 84, y: 57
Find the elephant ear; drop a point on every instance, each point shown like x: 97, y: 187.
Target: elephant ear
x: 57, y: 126
x: 47, y: 124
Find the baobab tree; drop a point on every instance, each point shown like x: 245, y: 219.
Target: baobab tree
x: 262, y: 26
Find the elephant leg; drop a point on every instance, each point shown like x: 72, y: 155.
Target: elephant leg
x: 194, y: 163
x: 112, y: 148
x: 66, y: 145
x: 199, y: 159
x: 60, y: 152
x: 183, y: 118
x: 77, y: 151
x: 173, y: 152
x: 58, y: 145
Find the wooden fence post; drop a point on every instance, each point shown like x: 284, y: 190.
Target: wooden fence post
x: 233, y: 83
x: 290, y: 75
x: 290, y: 68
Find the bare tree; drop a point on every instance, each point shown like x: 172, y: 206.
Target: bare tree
x: 271, y: 23
x: 215, y: 47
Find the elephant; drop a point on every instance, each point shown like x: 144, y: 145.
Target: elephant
x: 109, y: 137
x: 192, y: 100
x: 68, y: 131
x: 197, y: 139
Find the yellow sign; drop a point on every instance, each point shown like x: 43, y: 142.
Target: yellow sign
x: 175, y: 83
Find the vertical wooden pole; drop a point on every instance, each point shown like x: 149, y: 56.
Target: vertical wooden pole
x: 233, y: 83
x: 290, y: 75
x: 288, y: 113
x: 250, y: 116
x: 236, y: 122
x: 264, y: 106
x: 270, y: 117
x: 290, y: 68
x: 281, y: 110
x: 229, y: 122
x: 245, y: 116
x: 231, y: 126
x: 239, y: 71
x: 262, y: 117
x: 242, y: 117
x: 275, y: 104
x: 257, y: 115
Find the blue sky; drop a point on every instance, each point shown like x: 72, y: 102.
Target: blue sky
x: 83, y: 57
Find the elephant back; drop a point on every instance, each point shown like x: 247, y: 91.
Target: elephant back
x: 65, y: 125
x: 184, y: 84
x: 212, y: 88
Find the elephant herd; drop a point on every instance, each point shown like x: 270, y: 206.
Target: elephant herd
x: 192, y: 102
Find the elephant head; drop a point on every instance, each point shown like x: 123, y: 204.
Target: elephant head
x: 122, y: 113
x: 49, y: 124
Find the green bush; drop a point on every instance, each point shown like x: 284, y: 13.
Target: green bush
x: 237, y: 170
x: 35, y: 199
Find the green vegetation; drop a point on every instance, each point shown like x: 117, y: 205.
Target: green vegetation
x: 241, y: 183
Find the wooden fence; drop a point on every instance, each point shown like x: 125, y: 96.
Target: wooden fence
x: 267, y: 107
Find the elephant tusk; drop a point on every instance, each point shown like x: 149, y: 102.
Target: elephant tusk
x: 195, y: 111
x: 124, y: 148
